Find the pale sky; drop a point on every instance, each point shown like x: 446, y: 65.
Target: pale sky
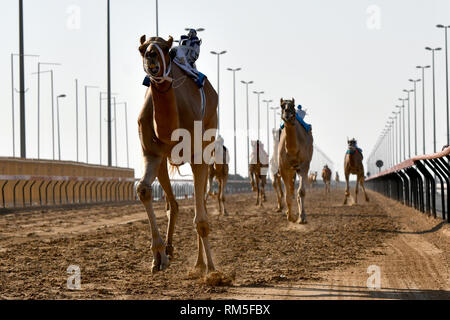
x: 343, y: 64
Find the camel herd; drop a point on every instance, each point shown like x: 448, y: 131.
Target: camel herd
x: 178, y: 124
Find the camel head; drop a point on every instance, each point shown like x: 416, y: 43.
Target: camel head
x: 155, y: 55
x: 351, y: 144
x: 288, y: 110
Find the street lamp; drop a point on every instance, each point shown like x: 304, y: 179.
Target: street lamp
x: 248, y: 135
x: 234, y: 112
x: 409, y: 124
x: 402, y: 107
x: 218, y: 54
x: 446, y: 79
x: 59, y: 137
x: 38, y: 98
x: 267, y: 120
x: 53, y: 110
x: 86, y: 118
x: 434, y: 98
x: 12, y: 97
x: 423, y: 103
x: 258, y: 93
x: 414, y: 81
x: 398, y: 141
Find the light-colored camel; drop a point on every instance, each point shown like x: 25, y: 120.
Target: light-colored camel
x: 294, y: 155
x: 259, y: 165
x: 336, y: 179
x: 312, y: 179
x: 219, y: 170
x: 168, y: 107
x: 353, y: 164
x: 326, y: 177
x: 274, y: 170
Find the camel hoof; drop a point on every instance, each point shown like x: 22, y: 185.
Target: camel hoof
x: 160, y: 263
x: 277, y: 209
x: 302, y: 221
x: 367, y: 199
x: 169, y: 251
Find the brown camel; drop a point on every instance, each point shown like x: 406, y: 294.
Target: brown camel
x: 170, y: 105
x: 294, y: 155
x: 219, y: 170
x: 259, y: 164
x: 274, y: 170
x: 353, y: 164
x: 326, y: 177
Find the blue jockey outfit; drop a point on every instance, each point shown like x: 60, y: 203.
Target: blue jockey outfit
x: 299, y: 119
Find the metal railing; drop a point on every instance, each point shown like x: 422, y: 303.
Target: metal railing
x: 421, y: 182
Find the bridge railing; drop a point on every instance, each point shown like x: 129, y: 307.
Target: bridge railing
x: 421, y: 182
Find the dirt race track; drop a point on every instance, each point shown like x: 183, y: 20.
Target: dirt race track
x: 267, y: 257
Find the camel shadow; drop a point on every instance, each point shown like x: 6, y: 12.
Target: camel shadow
x: 323, y: 291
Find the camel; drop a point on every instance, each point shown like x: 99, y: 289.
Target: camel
x: 169, y: 105
x: 326, y: 177
x: 336, y: 179
x: 294, y: 155
x: 353, y: 164
x: 312, y: 179
x: 274, y: 173
x: 259, y: 164
x: 219, y: 170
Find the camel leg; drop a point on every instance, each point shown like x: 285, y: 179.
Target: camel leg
x: 288, y: 178
x: 277, y: 187
x: 356, y: 190
x: 364, y: 189
x: 200, y: 173
x: 301, y: 196
x: 144, y: 191
x: 347, y: 193
x: 263, y: 186
x: 252, y: 181
x: 163, y: 178
x: 223, y: 183
x: 209, y: 186
x: 258, y: 201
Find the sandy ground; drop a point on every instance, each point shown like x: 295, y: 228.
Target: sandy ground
x: 268, y: 257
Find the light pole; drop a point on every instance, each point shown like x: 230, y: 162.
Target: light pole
x: 267, y: 120
x: 392, y: 138
x: 12, y: 97
x: 234, y: 112
x: 434, y: 98
x: 415, y: 113
x: 115, y: 129
x: 218, y: 54
x: 39, y: 99
x: 108, y: 89
x: 409, y: 123
x: 398, y: 141
x: 402, y: 108
x: 22, y: 83
x: 446, y: 79
x: 59, y: 136
x: 53, y: 107
x: 126, y: 130
x: 258, y: 93
x: 248, y: 135
x: 86, y: 119
x: 423, y: 103
x: 157, y: 18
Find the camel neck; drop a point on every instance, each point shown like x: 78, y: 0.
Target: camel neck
x: 291, y: 138
x: 165, y: 111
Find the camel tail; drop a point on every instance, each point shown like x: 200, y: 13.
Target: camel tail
x: 173, y: 168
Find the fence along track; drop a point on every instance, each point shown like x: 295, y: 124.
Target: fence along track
x: 421, y: 182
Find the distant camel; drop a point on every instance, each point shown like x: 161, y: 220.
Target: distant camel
x: 274, y: 170
x: 326, y: 177
x: 168, y: 108
x: 336, y: 178
x: 312, y: 179
x: 259, y: 164
x: 219, y: 170
x: 353, y: 164
x: 294, y: 155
